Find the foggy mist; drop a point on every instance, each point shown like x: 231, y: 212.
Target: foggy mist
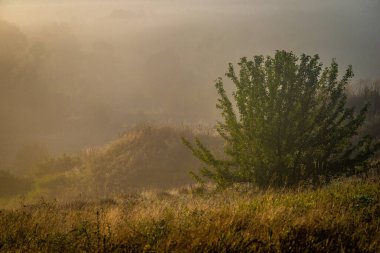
x: 77, y: 73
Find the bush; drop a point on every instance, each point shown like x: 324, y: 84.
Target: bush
x: 10, y: 185
x: 290, y: 124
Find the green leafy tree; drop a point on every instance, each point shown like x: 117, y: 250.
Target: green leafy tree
x: 290, y: 123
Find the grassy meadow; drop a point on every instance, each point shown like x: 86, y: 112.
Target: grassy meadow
x: 97, y: 201
x: 341, y: 217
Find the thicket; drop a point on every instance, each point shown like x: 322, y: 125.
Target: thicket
x: 290, y: 123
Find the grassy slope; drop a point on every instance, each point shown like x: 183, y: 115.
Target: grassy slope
x: 147, y: 156
x: 344, y: 216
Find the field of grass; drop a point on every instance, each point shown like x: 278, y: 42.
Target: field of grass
x: 341, y: 217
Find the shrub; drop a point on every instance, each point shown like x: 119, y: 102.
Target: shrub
x: 290, y: 124
x: 11, y: 185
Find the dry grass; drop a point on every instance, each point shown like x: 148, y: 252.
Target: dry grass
x: 341, y: 217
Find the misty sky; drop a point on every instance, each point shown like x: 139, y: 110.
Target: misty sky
x: 93, y: 67
x: 346, y: 29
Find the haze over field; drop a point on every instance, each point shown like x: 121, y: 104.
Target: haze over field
x: 77, y: 73
x: 117, y: 134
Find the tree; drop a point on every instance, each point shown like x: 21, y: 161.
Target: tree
x: 290, y: 123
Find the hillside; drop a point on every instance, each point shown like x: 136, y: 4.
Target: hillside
x: 145, y: 157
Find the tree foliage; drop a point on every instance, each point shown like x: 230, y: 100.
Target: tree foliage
x: 289, y: 123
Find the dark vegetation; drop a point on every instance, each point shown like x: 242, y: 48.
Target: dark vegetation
x: 11, y: 185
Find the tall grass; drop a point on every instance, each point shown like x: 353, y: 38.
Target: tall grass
x: 341, y: 217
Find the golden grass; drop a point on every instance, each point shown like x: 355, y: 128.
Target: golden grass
x: 341, y: 217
